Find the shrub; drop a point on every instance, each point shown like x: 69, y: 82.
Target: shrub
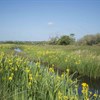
x: 90, y: 39
x: 64, y: 40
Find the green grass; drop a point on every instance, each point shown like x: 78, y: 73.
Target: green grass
x: 22, y: 80
x: 84, y: 59
x: 30, y: 75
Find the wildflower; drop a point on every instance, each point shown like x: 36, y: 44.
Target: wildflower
x: 12, y: 68
x: 27, y: 70
x: 77, y: 62
x: 30, y: 78
x: 83, y: 91
x: 67, y: 70
x: 65, y: 97
x: 84, y: 85
x: 30, y: 75
x: 10, y: 78
x: 60, y: 95
x: 51, y: 70
x: 9, y: 60
x: 95, y: 95
x: 90, y: 92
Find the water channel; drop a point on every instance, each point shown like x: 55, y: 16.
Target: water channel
x: 94, y: 84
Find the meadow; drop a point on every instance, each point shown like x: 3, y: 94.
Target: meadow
x: 83, y: 59
x: 46, y: 72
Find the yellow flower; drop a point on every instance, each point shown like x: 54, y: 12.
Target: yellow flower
x: 12, y: 68
x: 30, y: 75
x: 77, y: 62
x: 83, y: 91
x: 10, y: 78
x: 30, y: 78
x: 27, y: 70
x: 65, y: 97
x: 84, y: 84
x: 9, y: 60
x: 95, y: 95
x: 60, y: 95
x: 90, y: 92
x: 67, y: 70
x: 51, y: 70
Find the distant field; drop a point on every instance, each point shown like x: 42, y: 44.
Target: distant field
x: 31, y: 72
x: 84, y: 59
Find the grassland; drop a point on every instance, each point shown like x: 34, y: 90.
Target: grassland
x: 83, y: 59
x: 30, y: 74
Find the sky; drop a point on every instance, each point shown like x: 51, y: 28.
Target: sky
x: 39, y: 20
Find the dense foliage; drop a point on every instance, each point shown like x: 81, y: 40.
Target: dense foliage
x: 63, y: 40
x: 90, y: 39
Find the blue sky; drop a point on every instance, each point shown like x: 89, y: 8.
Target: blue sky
x: 36, y: 20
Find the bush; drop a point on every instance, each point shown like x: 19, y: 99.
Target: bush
x: 90, y: 39
x: 65, y: 40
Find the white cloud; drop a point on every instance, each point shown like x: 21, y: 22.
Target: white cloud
x: 50, y: 23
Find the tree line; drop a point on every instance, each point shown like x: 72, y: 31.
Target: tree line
x: 70, y: 39
x: 62, y: 40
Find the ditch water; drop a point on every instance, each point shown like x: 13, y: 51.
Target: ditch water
x: 17, y: 50
x: 94, y: 84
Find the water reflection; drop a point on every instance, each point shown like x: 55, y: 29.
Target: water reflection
x: 17, y: 50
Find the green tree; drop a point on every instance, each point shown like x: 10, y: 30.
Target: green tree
x: 90, y: 39
x: 64, y: 40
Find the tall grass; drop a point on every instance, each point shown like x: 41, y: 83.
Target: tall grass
x: 21, y: 79
x: 84, y: 59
